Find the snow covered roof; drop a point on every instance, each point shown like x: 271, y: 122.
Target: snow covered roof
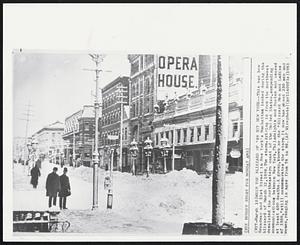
x: 56, y: 124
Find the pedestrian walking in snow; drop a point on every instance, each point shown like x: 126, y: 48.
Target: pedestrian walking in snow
x: 65, y: 190
x: 35, y: 174
x: 52, y: 187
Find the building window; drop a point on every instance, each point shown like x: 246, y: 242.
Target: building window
x: 86, y: 127
x: 198, y: 133
x: 126, y: 133
x: 149, y: 59
x: 133, y: 110
x: 184, y: 134
x: 167, y: 134
x: 172, y: 136
x: 161, y: 135
x: 191, y: 134
x: 178, y: 135
x: 147, y: 86
x: 142, y: 62
x: 134, y: 67
x: 206, y: 132
x: 156, y: 139
x: 214, y: 131
x: 235, y: 128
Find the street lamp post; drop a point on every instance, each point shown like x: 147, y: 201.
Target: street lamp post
x: 165, y: 151
x: 148, y: 151
x: 133, y: 151
x: 97, y: 58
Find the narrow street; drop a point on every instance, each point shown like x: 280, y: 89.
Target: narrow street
x: 159, y: 204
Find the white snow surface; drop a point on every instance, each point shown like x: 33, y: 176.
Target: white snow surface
x: 160, y: 204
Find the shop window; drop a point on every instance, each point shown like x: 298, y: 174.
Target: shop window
x: 184, y: 134
x: 198, y: 133
x: 206, y: 134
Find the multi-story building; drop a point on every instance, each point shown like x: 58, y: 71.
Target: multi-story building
x: 196, y: 107
x: 79, y: 135
x: 112, y: 94
x: 50, y: 141
x: 189, y: 125
x: 141, y: 100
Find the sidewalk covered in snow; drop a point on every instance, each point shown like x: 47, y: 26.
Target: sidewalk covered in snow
x: 159, y: 204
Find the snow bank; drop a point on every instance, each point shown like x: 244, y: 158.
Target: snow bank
x: 158, y: 204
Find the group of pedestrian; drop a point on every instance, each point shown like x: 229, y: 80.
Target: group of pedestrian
x: 58, y: 186
x: 55, y: 185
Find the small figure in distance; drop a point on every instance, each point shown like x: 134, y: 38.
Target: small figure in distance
x: 35, y: 174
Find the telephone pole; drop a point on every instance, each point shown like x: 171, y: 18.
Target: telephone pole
x: 219, y: 167
x: 97, y: 58
x: 122, y: 91
x: 27, y: 119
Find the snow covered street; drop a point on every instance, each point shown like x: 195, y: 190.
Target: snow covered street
x: 159, y: 204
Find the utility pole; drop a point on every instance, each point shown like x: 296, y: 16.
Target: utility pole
x: 219, y: 167
x: 97, y: 58
x: 122, y: 91
x: 27, y: 119
x: 74, y: 147
x: 173, y: 149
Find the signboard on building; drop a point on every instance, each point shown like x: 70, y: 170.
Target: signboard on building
x: 176, y: 75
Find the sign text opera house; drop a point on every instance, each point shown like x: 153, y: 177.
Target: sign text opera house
x: 176, y: 74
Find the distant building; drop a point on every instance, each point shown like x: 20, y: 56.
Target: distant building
x: 50, y: 141
x: 79, y: 135
x: 110, y: 122
x: 20, y: 150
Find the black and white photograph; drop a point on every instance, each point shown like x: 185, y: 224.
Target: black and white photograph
x: 136, y: 144
x: 134, y: 154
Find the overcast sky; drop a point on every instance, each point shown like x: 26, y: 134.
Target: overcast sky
x: 56, y: 85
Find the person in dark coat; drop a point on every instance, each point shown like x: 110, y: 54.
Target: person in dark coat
x: 65, y: 189
x: 35, y: 173
x: 52, y: 186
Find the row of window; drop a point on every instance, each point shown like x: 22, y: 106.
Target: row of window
x: 142, y: 86
x: 111, y: 117
x: 193, y: 134
x: 141, y: 63
x: 104, y: 135
x: 139, y: 107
